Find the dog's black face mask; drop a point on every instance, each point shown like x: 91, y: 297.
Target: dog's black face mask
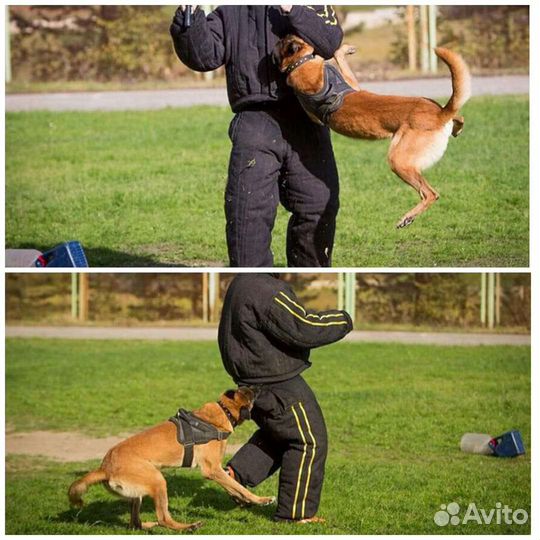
x: 245, y: 414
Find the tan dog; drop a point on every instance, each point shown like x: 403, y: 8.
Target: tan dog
x: 131, y: 468
x: 419, y: 128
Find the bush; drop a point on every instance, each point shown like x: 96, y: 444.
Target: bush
x: 136, y: 45
x: 92, y: 43
x: 489, y: 37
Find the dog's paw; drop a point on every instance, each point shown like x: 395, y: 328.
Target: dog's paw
x: 239, y: 501
x: 194, y: 526
x: 405, y: 222
x: 345, y: 50
x: 266, y: 501
x: 313, y: 519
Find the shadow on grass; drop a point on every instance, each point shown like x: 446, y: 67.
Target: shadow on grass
x: 207, y: 497
x: 100, y: 257
x: 109, y: 513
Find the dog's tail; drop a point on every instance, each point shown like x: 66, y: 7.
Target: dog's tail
x: 79, y: 487
x: 461, y: 81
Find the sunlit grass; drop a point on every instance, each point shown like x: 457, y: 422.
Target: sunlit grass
x: 395, y: 415
x: 146, y: 189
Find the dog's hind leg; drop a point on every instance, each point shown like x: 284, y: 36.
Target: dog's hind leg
x: 458, y: 123
x: 405, y: 164
x: 409, y: 153
x: 426, y: 192
x: 158, y: 491
x: 135, y: 522
x: 140, y: 478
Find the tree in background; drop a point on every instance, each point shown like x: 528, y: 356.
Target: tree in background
x: 37, y: 298
x: 443, y: 300
x: 131, y: 43
x: 489, y: 37
x: 145, y: 297
x: 102, y: 43
x: 428, y: 300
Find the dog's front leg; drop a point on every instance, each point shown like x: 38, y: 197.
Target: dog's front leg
x: 343, y: 65
x: 232, y: 487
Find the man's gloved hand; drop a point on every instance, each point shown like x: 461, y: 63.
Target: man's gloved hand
x: 179, y: 20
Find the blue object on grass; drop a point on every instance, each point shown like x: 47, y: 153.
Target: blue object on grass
x: 68, y: 255
x: 509, y: 444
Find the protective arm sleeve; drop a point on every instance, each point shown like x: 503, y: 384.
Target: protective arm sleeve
x: 318, y: 25
x: 201, y: 46
x: 290, y: 323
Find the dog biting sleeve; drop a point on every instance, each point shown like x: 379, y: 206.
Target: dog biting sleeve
x: 319, y: 26
x: 329, y: 99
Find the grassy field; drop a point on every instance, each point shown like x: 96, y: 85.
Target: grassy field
x: 395, y: 415
x: 146, y: 189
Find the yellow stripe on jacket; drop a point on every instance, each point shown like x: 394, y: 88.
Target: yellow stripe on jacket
x: 304, y: 318
x: 313, y: 315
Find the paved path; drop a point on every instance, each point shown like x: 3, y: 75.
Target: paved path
x: 210, y: 334
x: 159, y: 99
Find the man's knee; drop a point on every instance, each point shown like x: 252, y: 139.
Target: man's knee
x: 319, y: 204
x: 229, y: 469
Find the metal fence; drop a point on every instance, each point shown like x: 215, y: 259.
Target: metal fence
x: 410, y: 299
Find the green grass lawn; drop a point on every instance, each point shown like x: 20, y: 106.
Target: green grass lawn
x: 395, y: 415
x: 146, y: 189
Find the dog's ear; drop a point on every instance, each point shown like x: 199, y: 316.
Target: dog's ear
x: 229, y: 394
x: 247, y: 393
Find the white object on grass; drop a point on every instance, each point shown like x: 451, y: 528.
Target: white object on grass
x: 476, y: 443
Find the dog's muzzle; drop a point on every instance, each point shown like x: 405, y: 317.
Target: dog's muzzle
x: 245, y: 414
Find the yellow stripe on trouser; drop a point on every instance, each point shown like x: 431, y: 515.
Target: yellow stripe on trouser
x: 301, y: 463
x: 311, y: 461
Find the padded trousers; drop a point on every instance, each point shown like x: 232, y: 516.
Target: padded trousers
x: 280, y: 155
x: 291, y: 438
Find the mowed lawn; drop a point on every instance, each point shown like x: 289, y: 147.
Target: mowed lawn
x: 395, y: 415
x: 146, y: 189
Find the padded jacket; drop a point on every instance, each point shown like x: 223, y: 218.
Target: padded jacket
x: 266, y: 335
x: 242, y: 38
